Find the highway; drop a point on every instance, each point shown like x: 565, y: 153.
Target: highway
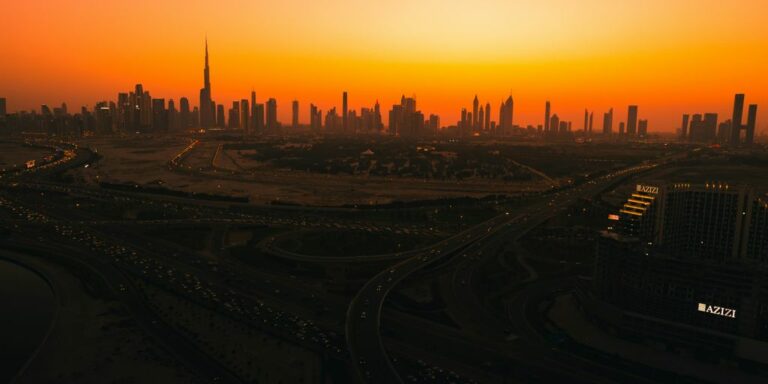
x: 364, y: 315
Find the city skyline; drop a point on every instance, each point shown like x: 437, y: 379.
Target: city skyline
x: 664, y: 70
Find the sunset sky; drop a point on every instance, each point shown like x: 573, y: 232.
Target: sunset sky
x: 669, y: 57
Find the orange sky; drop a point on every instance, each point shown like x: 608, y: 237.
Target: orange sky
x: 669, y: 56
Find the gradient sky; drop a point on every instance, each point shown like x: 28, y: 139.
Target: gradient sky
x: 668, y: 56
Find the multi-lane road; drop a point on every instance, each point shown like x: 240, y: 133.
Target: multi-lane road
x: 364, y: 316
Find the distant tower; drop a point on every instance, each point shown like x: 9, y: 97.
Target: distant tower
x: 608, y: 122
x: 586, y: 120
x: 591, y: 120
x: 487, y: 117
x: 684, y: 127
x: 475, y: 106
x: 547, y: 117
x: 295, y: 114
x: 632, y: 120
x: 206, y: 113
x: 736, y: 122
x: 272, y: 114
x: 344, y: 111
x: 480, y: 118
x: 253, y: 111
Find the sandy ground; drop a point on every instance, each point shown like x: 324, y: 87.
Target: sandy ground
x: 144, y: 161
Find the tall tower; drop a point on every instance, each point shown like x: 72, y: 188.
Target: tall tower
x: 632, y: 120
x: 475, y: 106
x: 546, y: 117
x: 295, y: 114
x: 344, y: 112
x: 487, y: 123
x: 206, y: 114
x: 738, y: 112
x: 684, y: 127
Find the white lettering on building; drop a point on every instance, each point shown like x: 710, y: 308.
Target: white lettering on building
x: 647, y: 189
x: 715, y: 310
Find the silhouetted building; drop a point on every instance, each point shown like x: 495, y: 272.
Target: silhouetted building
x: 244, y: 115
x: 221, y: 120
x: 206, y: 109
x: 736, y: 122
x: 344, y: 112
x: 703, y: 129
x: 475, y: 114
x: 258, y: 117
x: 684, y: 127
x: 546, y: 117
x: 185, y: 118
x: 506, y: 116
x: 3, y: 110
x: 272, y: 115
x: 295, y: 114
x: 608, y: 122
x: 642, y: 128
x: 632, y: 120
x: 234, y: 115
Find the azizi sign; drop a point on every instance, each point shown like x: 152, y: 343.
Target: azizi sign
x: 715, y: 310
x: 647, y: 189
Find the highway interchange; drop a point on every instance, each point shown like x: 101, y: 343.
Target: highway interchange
x: 362, y: 337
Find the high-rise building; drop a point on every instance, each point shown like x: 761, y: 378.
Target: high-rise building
x: 736, y: 122
x: 405, y: 120
x: 344, y: 112
x: 234, y: 115
x: 506, y: 115
x: 547, y: 117
x: 220, y: 117
x: 621, y: 128
x: 3, y: 110
x: 206, y: 109
x: 684, y: 127
x: 632, y: 120
x: 586, y: 120
x: 272, y: 115
x: 591, y: 121
x: 684, y: 264
x: 185, y: 120
x: 244, y: 115
x: 554, y: 123
x: 642, y: 128
x: 703, y: 129
x: 487, y: 125
x: 295, y: 114
x: 475, y: 111
x: 608, y: 122
x: 159, y: 116
x: 252, y: 124
x: 259, y: 124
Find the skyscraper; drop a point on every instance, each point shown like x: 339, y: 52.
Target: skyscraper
x: 344, y: 112
x: 258, y: 118
x: 272, y: 114
x: 244, y: 115
x: 185, y: 119
x: 253, y: 110
x: 295, y: 114
x: 738, y: 112
x: 586, y: 120
x: 591, y: 121
x: 546, y: 117
x: 206, y: 113
x: 475, y: 107
x: 642, y: 127
x: 506, y: 115
x: 684, y: 127
x: 487, y: 124
x: 608, y: 122
x: 632, y: 120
